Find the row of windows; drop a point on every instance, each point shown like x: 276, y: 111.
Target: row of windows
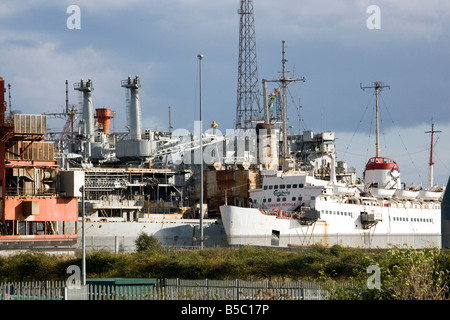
x: 412, y: 219
x: 337, y: 213
x: 284, y: 186
x: 282, y: 199
x: 349, y: 214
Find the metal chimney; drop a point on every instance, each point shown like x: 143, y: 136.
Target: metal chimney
x: 135, y: 107
x: 88, y: 110
x: 103, y: 116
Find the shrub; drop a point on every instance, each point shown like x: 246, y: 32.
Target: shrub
x: 144, y: 242
x: 405, y: 274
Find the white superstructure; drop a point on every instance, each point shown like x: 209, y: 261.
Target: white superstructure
x: 297, y: 209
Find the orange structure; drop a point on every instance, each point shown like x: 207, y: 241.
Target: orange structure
x: 103, y: 116
x: 33, y: 211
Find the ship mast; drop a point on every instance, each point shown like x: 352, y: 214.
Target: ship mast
x: 430, y: 173
x: 378, y: 86
x: 285, y: 82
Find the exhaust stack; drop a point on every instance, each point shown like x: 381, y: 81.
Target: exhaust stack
x: 135, y: 107
x: 88, y: 111
x: 103, y: 116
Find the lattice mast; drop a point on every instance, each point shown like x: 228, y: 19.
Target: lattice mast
x: 248, y: 107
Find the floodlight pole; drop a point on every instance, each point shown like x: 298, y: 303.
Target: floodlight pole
x: 200, y: 57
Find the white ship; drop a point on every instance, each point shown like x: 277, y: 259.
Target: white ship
x: 294, y: 208
x: 299, y: 210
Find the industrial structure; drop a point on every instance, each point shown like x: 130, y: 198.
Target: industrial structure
x: 34, y: 212
x: 149, y: 181
x: 248, y: 110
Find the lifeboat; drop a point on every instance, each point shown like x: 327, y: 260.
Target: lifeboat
x: 404, y: 194
x: 382, y: 192
x: 430, y: 195
x: 344, y: 190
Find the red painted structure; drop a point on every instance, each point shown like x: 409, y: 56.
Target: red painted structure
x: 33, y: 211
x: 381, y: 163
x: 103, y: 116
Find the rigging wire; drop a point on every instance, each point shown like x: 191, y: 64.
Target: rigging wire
x: 357, y: 127
x: 370, y: 131
x: 401, y: 139
x: 437, y: 155
x: 383, y: 132
x: 298, y: 109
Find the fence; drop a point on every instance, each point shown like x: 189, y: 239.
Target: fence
x: 181, y: 289
x: 167, y: 289
x: 44, y: 290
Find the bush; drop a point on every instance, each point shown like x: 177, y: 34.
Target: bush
x: 144, y: 242
x: 405, y: 274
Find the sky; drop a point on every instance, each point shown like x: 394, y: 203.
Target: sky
x: 327, y: 41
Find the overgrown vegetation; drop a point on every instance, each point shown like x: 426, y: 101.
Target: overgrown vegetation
x: 404, y: 273
x: 145, y: 242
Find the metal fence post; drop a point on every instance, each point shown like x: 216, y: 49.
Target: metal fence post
x: 237, y: 289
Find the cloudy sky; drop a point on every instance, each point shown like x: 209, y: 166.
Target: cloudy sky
x: 327, y: 42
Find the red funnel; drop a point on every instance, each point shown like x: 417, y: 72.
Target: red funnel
x: 103, y: 116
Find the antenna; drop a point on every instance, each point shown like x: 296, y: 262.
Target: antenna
x: 285, y: 82
x: 67, y: 97
x: 378, y: 86
x: 9, y: 95
x: 299, y: 117
x: 170, y: 123
x: 430, y: 173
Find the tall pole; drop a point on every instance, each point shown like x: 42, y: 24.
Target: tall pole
x: 284, y: 84
x: 265, y: 102
x: 170, y: 123
x: 67, y: 97
x: 200, y: 57
x: 430, y: 173
x: 299, y: 118
x: 377, y: 86
x: 83, y: 239
x: 284, y: 107
x: 377, y: 142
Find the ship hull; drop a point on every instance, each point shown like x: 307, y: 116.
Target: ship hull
x: 121, y: 236
x: 249, y: 226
